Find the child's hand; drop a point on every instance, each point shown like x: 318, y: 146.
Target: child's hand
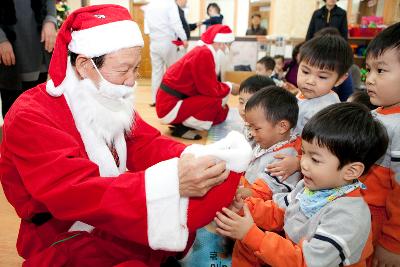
x: 233, y: 225
x: 291, y: 88
x: 237, y: 204
x: 383, y: 257
x: 241, y: 194
x: 285, y: 167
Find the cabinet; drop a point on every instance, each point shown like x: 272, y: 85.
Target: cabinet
x: 388, y: 9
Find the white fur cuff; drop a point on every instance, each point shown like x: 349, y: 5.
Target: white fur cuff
x: 166, y: 210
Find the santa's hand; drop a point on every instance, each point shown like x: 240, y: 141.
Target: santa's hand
x: 198, y: 175
x: 233, y: 149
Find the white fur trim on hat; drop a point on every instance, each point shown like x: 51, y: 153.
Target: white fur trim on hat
x: 106, y: 38
x: 224, y: 38
x: 70, y: 79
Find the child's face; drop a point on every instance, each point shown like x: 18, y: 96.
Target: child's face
x: 212, y: 11
x: 383, y: 79
x: 261, y: 70
x: 320, y: 167
x: 264, y: 132
x: 279, y: 64
x: 314, y: 82
x: 243, y: 98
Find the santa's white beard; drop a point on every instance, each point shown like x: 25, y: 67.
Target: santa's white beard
x: 108, y: 117
x: 102, y: 120
x: 102, y: 117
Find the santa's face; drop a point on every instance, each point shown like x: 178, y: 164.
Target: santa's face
x: 119, y: 68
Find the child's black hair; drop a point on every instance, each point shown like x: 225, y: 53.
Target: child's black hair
x: 214, y: 5
x: 256, y: 15
x: 328, y: 52
x: 267, y: 62
x: 278, y: 104
x: 362, y: 97
x: 386, y: 40
x: 296, y: 51
x: 348, y: 131
x: 280, y: 57
x: 255, y: 83
x: 327, y: 30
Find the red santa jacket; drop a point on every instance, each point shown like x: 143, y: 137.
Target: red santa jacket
x: 44, y: 169
x: 193, y: 75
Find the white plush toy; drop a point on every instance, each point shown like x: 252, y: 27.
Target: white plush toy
x: 234, y: 149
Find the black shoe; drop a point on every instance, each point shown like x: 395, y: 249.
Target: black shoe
x: 184, y: 132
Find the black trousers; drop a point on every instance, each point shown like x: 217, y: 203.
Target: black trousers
x: 9, y: 96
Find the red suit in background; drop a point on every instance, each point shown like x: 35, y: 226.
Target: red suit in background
x: 190, y: 93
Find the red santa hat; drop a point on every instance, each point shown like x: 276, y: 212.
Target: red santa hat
x: 218, y: 34
x: 91, y: 31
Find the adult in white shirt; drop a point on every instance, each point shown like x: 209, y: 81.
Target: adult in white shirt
x: 164, y: 26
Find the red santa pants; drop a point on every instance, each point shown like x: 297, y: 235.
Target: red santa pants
x: 201, y: 112
x: 84, y: 249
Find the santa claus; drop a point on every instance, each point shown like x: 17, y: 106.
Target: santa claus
x: 190, y: 95
x: 93, y: 184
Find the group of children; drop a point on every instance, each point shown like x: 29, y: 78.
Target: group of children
x: 318, y: 164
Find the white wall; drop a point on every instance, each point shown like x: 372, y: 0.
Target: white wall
x: 292, y: 17
x: 74, y: 5
x: 242, y: 17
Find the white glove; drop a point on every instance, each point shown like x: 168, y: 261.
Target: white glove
x: 234, y: 149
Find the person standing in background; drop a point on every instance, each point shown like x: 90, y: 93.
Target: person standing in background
x: 188, y: 27
x: 27, y: 36
x: 329, y: 15
x: 165, y: 26
x: 256, y: 28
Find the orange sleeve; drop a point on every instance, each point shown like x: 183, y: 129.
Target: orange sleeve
x: 266, y: 214
x: 273, y: 249
x: 390, y: 236
x: 260, y: 189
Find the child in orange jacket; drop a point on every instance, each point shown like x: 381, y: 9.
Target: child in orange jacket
x: 270, y: 115
x: 325, y: 218
x: 383, y: 181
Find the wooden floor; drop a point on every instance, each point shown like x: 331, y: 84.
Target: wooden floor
x: 9, y: 222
